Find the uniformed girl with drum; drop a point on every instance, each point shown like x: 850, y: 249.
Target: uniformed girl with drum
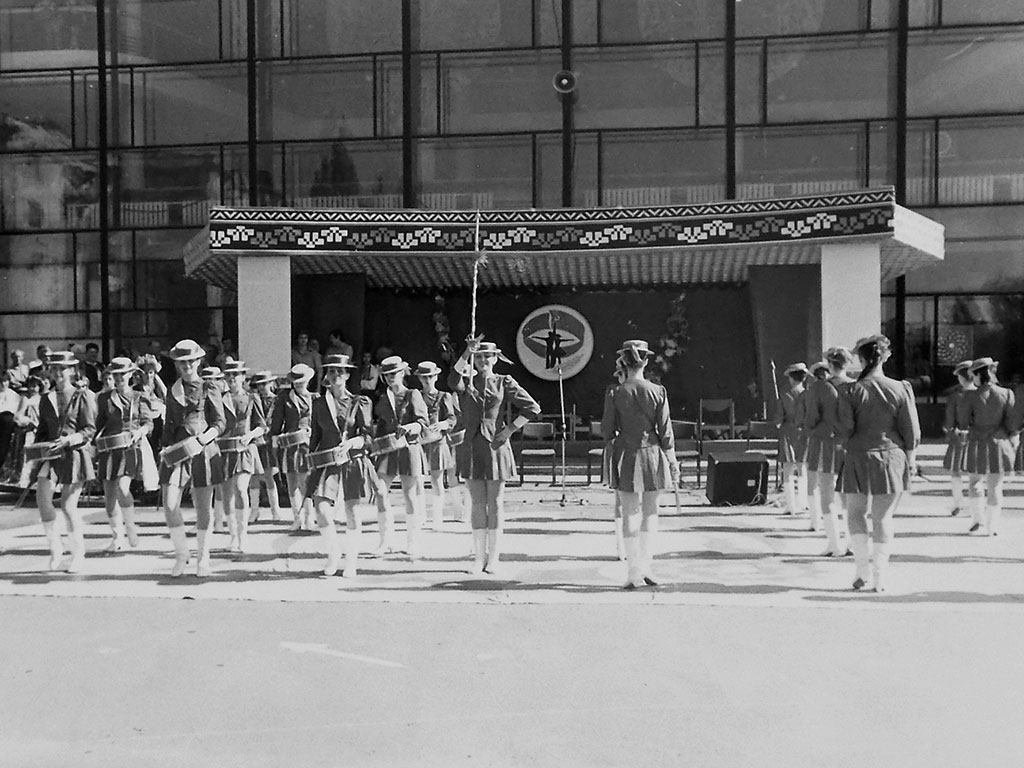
x: 194, y: 419
x: 67, y: 423
x: 879, y: 428
x: 638, y: 430
x: 401, y: 417
x: 263, y: 384
x: 955, y: 426
x: 824, y: 453
x: 289, y: 428
x: 124, y: 420
x: 342, y: 471
x: 484, y: 456
x: 789, y: 418
x: 245, y: 422
x: 441, y: 418
x: 990, y: 453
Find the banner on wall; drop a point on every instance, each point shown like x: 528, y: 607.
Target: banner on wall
x: 553, y: 335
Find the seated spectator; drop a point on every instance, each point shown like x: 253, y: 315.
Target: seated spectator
x: 18, y: 369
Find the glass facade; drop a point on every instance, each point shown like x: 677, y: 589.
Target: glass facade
x: 449, y: 104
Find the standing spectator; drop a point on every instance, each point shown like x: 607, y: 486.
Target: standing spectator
x: 36, y: 370
x: 166, y: 368
x: 227, y: 352
x: 18, y: 369
x: 302, y: 353
x: 336, y: 344
x: 9, y: 404
x: 92, y: 366
x: 369, y: 377
x: 42, y: 353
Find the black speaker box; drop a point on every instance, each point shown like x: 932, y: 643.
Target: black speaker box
x: 737, y: 479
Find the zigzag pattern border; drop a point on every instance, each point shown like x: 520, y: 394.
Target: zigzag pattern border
x: 832, y: 201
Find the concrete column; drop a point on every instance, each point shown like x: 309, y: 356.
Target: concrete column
x: 265, y: 312
x: 851, y: 293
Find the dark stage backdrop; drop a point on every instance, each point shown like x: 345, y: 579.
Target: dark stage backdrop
x: 719, y: 360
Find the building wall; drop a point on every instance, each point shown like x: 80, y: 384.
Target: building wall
x: 323, y: 123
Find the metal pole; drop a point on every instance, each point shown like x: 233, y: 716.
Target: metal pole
x: 103, y: 201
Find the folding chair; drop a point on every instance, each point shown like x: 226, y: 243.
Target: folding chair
x: 717, y: 417
x: 537, y: 432
x: 766, y: 435
x: 596, y: 453
x: 687, y: 445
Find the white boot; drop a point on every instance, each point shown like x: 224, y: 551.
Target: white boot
x: 181, y: 559
x: 351, y: 554
x: 880, y: 564
x: 493, y: 565
x: 56, y: 544
x: 437, y: 513
x: 118, y: 542
x: 634, y: 578
x: 977, y: 513
x: 254, y: 504
x: 413, y: 521
x: 834, y: 546
x: 620, y: 544
x: 130, y: 528
x: 814, y: 505
x: 479, y: 551
x: 242, y: 530
x: 385, y: 528
x: 957, y: 489
x: 646, y: 557
x: 789, y: 489
x: 232, y: 522
x: 203, y: 553
x: 861, y: 559
x: 76, y: 544
x: 330, y: 537
x: 801, y: 492
x: 992, y: 514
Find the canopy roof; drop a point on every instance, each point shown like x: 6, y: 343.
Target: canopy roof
x: 596, y: 247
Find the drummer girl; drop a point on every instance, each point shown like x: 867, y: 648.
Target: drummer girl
x: 67, y: 417
x: 194, y: 419
x: 955, y: 427
x: 400, y: 413
x: 124, y: 419
x: 638, y: 430
x: 289, y: 424
x: 245, y: 422
x: 991, y: 427
x: 341, y: 420
x: 441, y: 417
x: 263, y: 383
x: 484, y: 458
x: 789, y: 418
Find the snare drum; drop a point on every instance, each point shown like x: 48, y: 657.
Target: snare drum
x: 110, y: 442
x: 42, y: 451
x: 181, y: 451
x: 298, y: 437
x: 387, y: 444
x: 456, y: 438
x: 231, y: 444
x: 331, y: 457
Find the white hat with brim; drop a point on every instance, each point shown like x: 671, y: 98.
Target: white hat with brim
x: 393, y: 364
x: 263, y: 377
x: 211, y: 373
x: 62, y: 359
x: 802, y: 367
x: 299, y: 373
x: 186, y: 349
x: 490, y: 348
x: 121, y: 365
x: 427, y: 368
x: 338, y: 361
x: 983, y: 362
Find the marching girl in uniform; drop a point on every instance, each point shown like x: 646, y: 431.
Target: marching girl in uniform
x: 245, y: 422
x: 213, y: 375
x: 955, y: 427
x: 789, y: 418
x: 194, y: 414
x: 124, y: 420
x: 606, y: 460
x: 484, y: 458
x: 400, y: 412
x: 824, y: 453
x: 263, y: 383
x: 441, y: 418
x: 879, y: 428
x: 638, y: 429
x: 290, y: 424
x: 67, y: 417
x: 990, y: 454
x: 341, y: 419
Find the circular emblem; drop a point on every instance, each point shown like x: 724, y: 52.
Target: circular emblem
x: 553, y: 338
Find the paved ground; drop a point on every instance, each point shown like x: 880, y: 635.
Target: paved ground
x: 754, y: 652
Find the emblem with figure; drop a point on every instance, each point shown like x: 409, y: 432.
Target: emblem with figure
x: 554, y: 339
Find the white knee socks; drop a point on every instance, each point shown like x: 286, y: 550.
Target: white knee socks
x: 351, y: 554
x: 479, y: 550
x: 180, y: 542
x: 56, y: 544
x: 861, y: 559
x: 330, y: 538
x: 957, y: 488
x: 880, y: 564
x: 203, y: 552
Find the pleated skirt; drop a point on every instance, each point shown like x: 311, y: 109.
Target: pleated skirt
x: 439, y: 456
x: 120, y: 462
x: 823, y: 454
x: 792, y: 445
x: 476, y: 460
x: 955, y: 458
x: 201, y: 471
x: 1018, y: 462
x: 874, y: 472
x: 355, y: 480
x: 637, y: 470
x: 242, y: 462
x: 409, y: 461
x: 266, y: 460
x: 74, y: 465
x: 293, y: 458
x: 991, y: 456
